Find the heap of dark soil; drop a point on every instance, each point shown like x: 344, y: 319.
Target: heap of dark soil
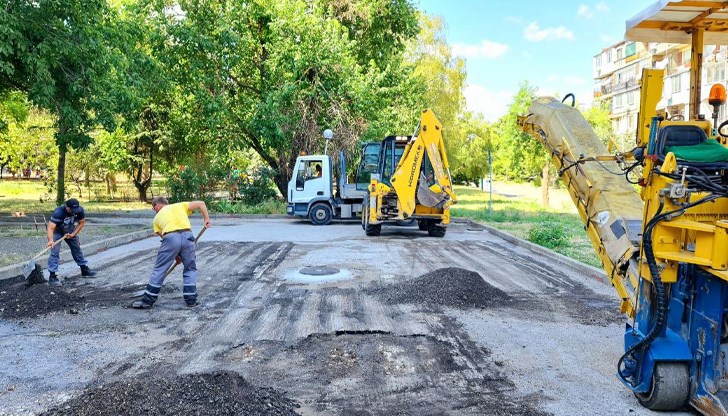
x: 451, y: 286
x: 221, y: 393
x: 20, y: 300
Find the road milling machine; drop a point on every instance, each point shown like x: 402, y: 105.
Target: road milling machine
x: 657, y: 217
x: 412, y: 182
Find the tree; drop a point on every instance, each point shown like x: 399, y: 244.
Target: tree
x: 469, y: 148
x: 271, y: 76
x: 518, y: 156
x: 598, y: 117
x: 443, y: 75
x: 62, y: 56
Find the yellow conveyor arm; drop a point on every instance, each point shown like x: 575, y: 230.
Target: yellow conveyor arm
x: 608, y: 205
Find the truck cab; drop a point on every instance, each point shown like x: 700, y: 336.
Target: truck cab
x: 315, y: 192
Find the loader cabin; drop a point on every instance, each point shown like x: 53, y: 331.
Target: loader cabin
x: 391, y: 152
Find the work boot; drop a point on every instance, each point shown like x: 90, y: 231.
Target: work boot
x: 140, y: 304
x: 53, y: 280
x: 87, y: 272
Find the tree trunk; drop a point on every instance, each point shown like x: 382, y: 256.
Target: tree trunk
x: 61, y: 182
x: 142, y: 188
x: 545, y: 179
x: 281, y: 183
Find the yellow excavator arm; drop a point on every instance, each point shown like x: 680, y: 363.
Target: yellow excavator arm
x: 408, y: 180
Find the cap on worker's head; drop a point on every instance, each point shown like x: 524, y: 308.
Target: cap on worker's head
x: 73, y: 205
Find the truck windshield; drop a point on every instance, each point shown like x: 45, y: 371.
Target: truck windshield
x: 367, y: 165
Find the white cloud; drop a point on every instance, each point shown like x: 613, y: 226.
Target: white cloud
x: 535, y: 34
x: 602, y: 7
x: 492, y: 104
x: 585, y: 11
x: 486, y: 49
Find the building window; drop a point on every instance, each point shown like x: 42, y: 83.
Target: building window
x: 609, y: 56
x: 630, y: 49
x: 675, y: 84
x: 619, y: 54
x: 598, y: 61
x: 630, y: 98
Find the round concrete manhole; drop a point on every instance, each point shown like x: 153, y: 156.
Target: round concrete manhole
x: 319, y: 270
x: 317, y: 274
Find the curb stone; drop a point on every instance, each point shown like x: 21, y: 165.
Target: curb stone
x: 94, y: 247
x: 589, y: 271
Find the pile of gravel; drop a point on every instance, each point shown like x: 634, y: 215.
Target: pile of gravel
x: 451, y: 287
x: 20, y: 300
x: 221, y: 393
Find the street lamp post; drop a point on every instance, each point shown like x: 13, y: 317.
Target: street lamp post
x: 328, y: 134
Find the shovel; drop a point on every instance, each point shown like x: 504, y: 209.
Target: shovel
x: 30, y: 266
x: 139, y: 293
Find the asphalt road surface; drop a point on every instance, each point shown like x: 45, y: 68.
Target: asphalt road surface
x: 396, y: 324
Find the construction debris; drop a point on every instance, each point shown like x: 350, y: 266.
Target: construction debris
x: 450, y: 287
x: 220, y: 393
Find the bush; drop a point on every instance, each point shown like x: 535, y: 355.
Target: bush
x: 548, y: 235
x: 190, y: 184
x: 253, y: 188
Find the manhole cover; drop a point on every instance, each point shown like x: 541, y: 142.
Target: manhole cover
x: 318, y: 270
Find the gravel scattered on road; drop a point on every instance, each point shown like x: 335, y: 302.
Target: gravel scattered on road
x: 219, y: 393
x: 19, y: 300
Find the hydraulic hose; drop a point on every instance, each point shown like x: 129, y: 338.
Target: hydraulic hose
x: 660, y: 292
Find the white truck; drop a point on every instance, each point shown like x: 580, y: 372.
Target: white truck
x: 313, y: 191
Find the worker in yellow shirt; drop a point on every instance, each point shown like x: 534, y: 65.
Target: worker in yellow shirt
x: 172, y: 223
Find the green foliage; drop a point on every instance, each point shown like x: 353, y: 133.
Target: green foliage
x: 598, y: 117
x: 468, y: 148
x: 189, y: 184
x: 518, y: 156
x: 268, y: 206
x: 252, y: 188
x: 548, y: 235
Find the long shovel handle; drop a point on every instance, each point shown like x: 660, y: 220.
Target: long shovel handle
x: 47, y: 248
x: 196, y: 238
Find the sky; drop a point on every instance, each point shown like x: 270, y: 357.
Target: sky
x: 550, y: 44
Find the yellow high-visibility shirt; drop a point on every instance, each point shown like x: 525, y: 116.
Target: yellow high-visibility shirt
x: 173, y: 217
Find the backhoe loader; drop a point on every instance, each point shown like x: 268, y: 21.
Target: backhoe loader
x: 412, y: 182
x: 657, y: 216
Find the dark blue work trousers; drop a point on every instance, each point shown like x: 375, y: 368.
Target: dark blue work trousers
x: 76, y: 252
x: 174, y: 244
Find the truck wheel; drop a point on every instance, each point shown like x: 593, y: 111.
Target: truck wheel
x: 669, y: 389
x: 434, y: 230
x: 320, y: 214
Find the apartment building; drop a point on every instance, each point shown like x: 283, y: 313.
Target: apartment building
x: 617, y: 71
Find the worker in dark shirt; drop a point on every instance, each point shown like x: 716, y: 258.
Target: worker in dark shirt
x: 66, y: 222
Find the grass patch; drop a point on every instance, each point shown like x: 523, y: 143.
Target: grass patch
x: 269, y: 206
x: 520, y: 214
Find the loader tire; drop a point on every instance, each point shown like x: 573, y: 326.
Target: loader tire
x: 373, y: 230
x: 434, y: 230
x: 669, y: 389
x: 422, y: 225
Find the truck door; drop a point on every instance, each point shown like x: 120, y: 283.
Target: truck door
x: 311, y: 180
